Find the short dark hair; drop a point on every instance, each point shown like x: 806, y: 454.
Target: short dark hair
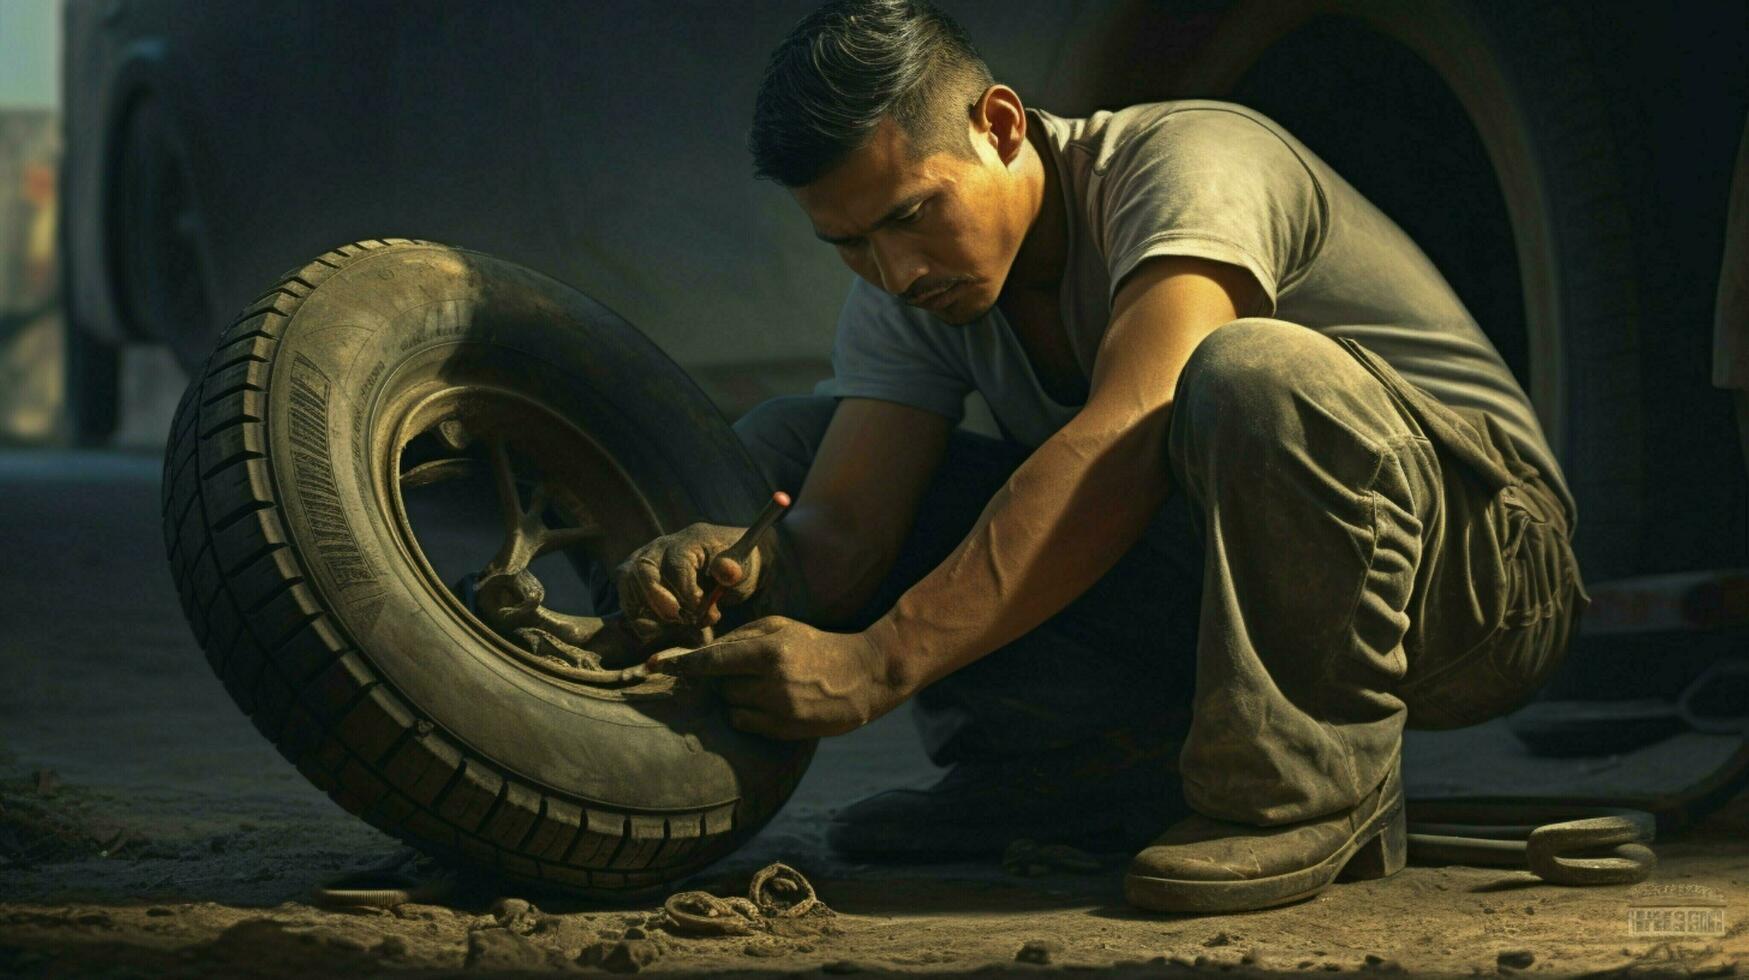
x: 851, y: 63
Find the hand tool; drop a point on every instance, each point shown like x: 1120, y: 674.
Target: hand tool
x: 742, y: 549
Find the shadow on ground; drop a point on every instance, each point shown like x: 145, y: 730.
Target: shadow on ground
x: 148, y: 830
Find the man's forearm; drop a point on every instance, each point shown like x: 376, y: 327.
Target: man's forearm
x: 1080, y: 501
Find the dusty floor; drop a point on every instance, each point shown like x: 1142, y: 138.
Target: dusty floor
x: 148, y: 830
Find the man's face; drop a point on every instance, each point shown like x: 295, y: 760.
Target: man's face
x: 940, y: 233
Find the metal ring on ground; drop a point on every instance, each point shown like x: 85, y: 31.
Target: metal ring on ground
x: 377, y: 889
x: 1563, y: 845
x: 1557, y: 852
x: 781, y: 891
x: 704, y: 914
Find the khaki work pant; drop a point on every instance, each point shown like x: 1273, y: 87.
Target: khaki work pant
x: 1342, y: 557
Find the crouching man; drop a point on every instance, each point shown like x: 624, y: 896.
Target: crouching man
x: 1266, y: 494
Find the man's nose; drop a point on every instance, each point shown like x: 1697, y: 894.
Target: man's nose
x: 899, y: 268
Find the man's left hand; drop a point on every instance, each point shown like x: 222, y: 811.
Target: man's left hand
x: 786, y: 679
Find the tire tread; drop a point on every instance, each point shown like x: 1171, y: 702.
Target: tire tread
x: 287, y: 662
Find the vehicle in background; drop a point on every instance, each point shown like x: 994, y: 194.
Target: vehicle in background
x: 1564, y: 163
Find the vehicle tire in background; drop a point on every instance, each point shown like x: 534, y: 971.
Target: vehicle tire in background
x: 319, y: 604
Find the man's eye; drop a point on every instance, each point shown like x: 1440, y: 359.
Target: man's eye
x: 906, y: 219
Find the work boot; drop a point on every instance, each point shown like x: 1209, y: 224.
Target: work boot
x: 1205, y: 865
x: 980, y: 807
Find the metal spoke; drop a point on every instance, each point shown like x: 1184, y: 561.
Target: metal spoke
x: 568, y: 537
x: 509, y: 501
x: 526, y: 536
x: 554, y: 490
x: 537, y: 505
x: 437, y: 471
x: 510, y: 597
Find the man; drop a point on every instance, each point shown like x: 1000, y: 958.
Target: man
x: 1249, y: 430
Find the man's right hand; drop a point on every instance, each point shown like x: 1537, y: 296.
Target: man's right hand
x: 665, y: 582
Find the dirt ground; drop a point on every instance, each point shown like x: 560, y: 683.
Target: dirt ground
x: 146, y: 829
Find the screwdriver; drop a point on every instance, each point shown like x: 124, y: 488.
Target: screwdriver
x: 743, y: 547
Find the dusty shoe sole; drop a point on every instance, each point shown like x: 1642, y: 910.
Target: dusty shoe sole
x: 1378, y: 849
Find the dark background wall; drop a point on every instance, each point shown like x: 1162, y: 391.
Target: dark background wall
x: 1564, y: 164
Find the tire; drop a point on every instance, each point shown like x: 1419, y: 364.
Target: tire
x: 152, y: 233
x: 322, y: 619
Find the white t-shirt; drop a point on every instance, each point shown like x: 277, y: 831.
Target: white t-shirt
x: 1218, y: 181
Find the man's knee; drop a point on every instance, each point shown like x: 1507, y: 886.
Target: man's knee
x: 1256, y: 375
x: 1249, y: 359
x: 783, y: 434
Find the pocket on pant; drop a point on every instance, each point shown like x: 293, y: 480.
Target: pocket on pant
x: 1541, y: 579
x: 1531, y: 602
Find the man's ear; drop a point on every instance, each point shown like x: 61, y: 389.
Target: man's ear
x: 999, y: 118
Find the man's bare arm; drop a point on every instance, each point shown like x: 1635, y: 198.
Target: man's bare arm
x: 1085, y: 495
x: 860, y: 500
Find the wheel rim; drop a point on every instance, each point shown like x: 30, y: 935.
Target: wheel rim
x: 541, y: 467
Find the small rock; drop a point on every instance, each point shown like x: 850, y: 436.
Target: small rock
x: 635, y: 932
x: 517, y: 915
x: 1332, y: 967
x: 159, y: 910
x: 1374, y: 959
x: 620, y: 956
x: 1515, y: 959
x: 1218, y: 939
x: 1037, y: 951
x: 630, y: 956
x: 93, y: 919
x: 1305, y: 964
x: 1252, y: 956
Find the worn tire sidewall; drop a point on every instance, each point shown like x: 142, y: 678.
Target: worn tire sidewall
x: 343, y: 355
